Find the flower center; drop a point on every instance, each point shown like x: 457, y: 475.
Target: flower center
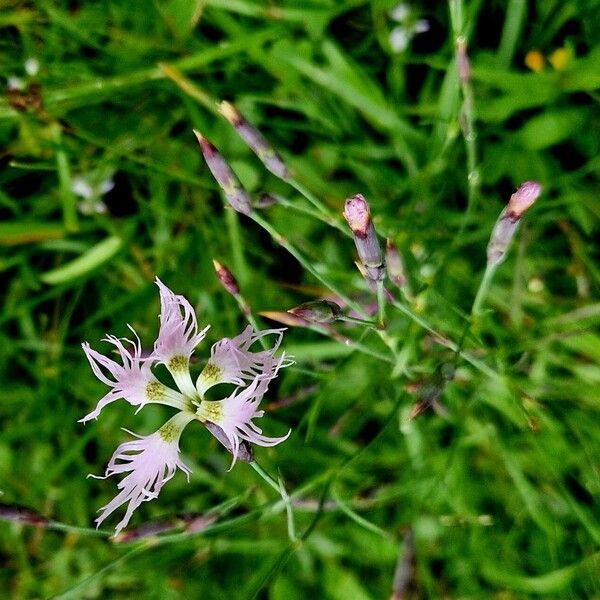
x: 211, y: 375
x: 170, y: 432
x: 155, y: 391
x: 178, y: 364
x: 210, y: 410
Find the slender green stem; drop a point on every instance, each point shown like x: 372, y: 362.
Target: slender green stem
x: 484, y: 288
x: 481, y: 366
x: 280, y: 489
x: 315, y: 214
x: 284, y: 243
x: 247, y: 311
x: 467, y: 111
x: 69, y: 202
x: 381, y: 303
x: 309, y: 196
x: 348, y: 319
x: 89, y: 531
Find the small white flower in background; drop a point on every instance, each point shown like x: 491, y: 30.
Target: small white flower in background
x: 15, y: 83
x: 401, y: 35
x: 152, y: 460
x: 91, y: 190
x: 32, y: 66
x: 400, y: 13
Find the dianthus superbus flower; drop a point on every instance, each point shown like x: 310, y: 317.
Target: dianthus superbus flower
x: 150, y: 461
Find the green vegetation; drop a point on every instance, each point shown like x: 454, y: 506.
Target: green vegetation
x: 494, y: 494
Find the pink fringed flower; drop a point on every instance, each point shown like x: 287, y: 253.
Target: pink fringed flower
x: 235, y: 413
x: 151, y: 461
x: 232, y: 361
x: 132, y: 380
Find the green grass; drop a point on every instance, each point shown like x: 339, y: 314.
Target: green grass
x: 498, y: 491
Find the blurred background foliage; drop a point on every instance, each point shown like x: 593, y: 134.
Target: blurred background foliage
x: 102, y: 187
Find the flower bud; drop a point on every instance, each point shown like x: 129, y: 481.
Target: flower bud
x: 356, y: 212
x: 226, y: 278
x: 523, y: 198
x: 225, y: 177
x: 255, y: 140
x: 395, y: 264
x: 509, y: 219
x: 462, y: 60
x: 317, y: 311
x: 21, y: 514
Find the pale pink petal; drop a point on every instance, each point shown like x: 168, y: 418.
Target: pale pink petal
x: 234, y: 414
x: 151, y: 461
x: 232, y: 361
x: 179, y: 333
x: 131, y: 378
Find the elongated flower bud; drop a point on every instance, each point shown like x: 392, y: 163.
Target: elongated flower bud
x: 226, y: 278
x: 509, y: 219
x: 21, y: 514
x: 356, y: 212
x: 317, y: 311
x: 255, y: 140
x: 395, y: 264
x: 523, y: 198
x: 462, y: 60
x: 225, y: 177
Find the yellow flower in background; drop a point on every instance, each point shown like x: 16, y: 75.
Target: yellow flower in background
x: 534, y: 59
x: 559, y: 59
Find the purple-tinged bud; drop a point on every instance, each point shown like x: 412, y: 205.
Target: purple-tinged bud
x: 356, y: 212
x: 255, y: 140
x: 226, y: 278
x: 395, y: 264
x: 199, y: 522
x: 509, y: 219
x: 317, y: 311
x: 245, y: 451
x: 20, y: 514
x: 266, y: 200
x: 462, y: 61
x: 523, y: 198
x: 225, y: 177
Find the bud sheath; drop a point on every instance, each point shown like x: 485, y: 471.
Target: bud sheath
x: 255, y: 140
x: 356, y: 212
x: 226, y: 278
x: 225, y: 177
x: 317, y: 311
x: 509, y: 219
x: 395, y: 265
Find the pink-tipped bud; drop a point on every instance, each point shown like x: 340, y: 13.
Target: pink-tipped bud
x: 395, y: 264
x: 356, y: 212
x: 256, y: 140
x: 224, y: 176
x: 523, y: 198
x: 226, y: 278
x: 317, y: 311
x: 462, y: 60
x: 509, y: 219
